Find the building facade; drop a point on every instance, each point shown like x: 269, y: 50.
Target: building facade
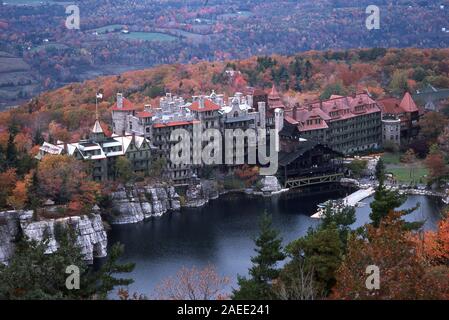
x: 102, y: 152
x: 348, y: 124
x: 391, y: 130
x: 406, y: 111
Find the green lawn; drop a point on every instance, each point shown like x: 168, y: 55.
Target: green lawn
x: 148, y: 36
x: 402, y: 175
x: 391, y: 158
x: 109, y: 28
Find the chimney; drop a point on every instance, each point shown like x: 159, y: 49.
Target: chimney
x: 119, y: 100
x: 201, y: 102
x: 295, y: 110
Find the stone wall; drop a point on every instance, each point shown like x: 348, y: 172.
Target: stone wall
x: 91, y: 235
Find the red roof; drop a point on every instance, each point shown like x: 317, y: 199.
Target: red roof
x: 396, y: 106
x: 127, y: 106
x: 209, y: 105
x: 290, y: 120
x: 408, y: 104
x: 175, y: 124
x: 274, y: 93
x: 144, y: 114
x: 390, y: 106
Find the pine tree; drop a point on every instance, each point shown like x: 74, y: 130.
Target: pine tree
x: 2, y: 160
x: 320, y: 252
x: 38, y: 139
x: 380, y: 171
x: 32, y: 274
x: 264, y: 269
x: 11, y: 152
x: 342, y: 219
x: 386, y: 201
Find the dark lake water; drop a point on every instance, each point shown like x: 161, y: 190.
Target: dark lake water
x: 221, y: 233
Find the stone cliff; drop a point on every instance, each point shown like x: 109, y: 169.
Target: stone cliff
x: 91, y: 235
x: 133, y: 204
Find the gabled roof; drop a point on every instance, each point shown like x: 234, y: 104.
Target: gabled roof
x: 396, y: 106
x: 97, y: 127
x: 209, y: 105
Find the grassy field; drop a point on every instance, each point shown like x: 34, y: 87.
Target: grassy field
x: 391, y: 158
x: 57, y: 46
x: 109, y: 28
x: 148, y: 36
x: 409, y: 175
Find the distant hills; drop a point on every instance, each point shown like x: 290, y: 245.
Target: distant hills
x: 125, y: 35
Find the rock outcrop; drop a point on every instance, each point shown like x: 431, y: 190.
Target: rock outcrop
x: 9, y: 230
x: 132, y: 205
x: 270, y: 184
x: 199, y: 194
x: 91, y: 235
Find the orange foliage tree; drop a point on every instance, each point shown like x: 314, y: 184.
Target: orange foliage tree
x: 19, y: 195
x: 247, y: 174
x: 65, y: 180
x: 403, y: 274
x: 435, y: 244
x: 8, y: 180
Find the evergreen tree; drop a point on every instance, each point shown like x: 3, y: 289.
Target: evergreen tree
x: 320, y: 252
x: 11, y: 152
x: 386, y: 201
x: 380, y: 171
x: 38, y: 139
x: 342, y: 219
x: 2, y: 160
x: 32, y: 274
x: 264, y: 269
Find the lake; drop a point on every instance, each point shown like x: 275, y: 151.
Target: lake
x: 221, y: 233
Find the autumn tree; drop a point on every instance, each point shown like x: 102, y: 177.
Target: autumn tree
x: 432, y: 125
x: 336, y: 88
x: 435, y: 244
x: 264, y: 269
x: 402, y: 275
x: 436, y: 163
x: 64, y: 179
x: 8, y: 180
x: 19, y: 195
x: 193, y: 284
x: 247, y: 174
x: 399, y: 83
